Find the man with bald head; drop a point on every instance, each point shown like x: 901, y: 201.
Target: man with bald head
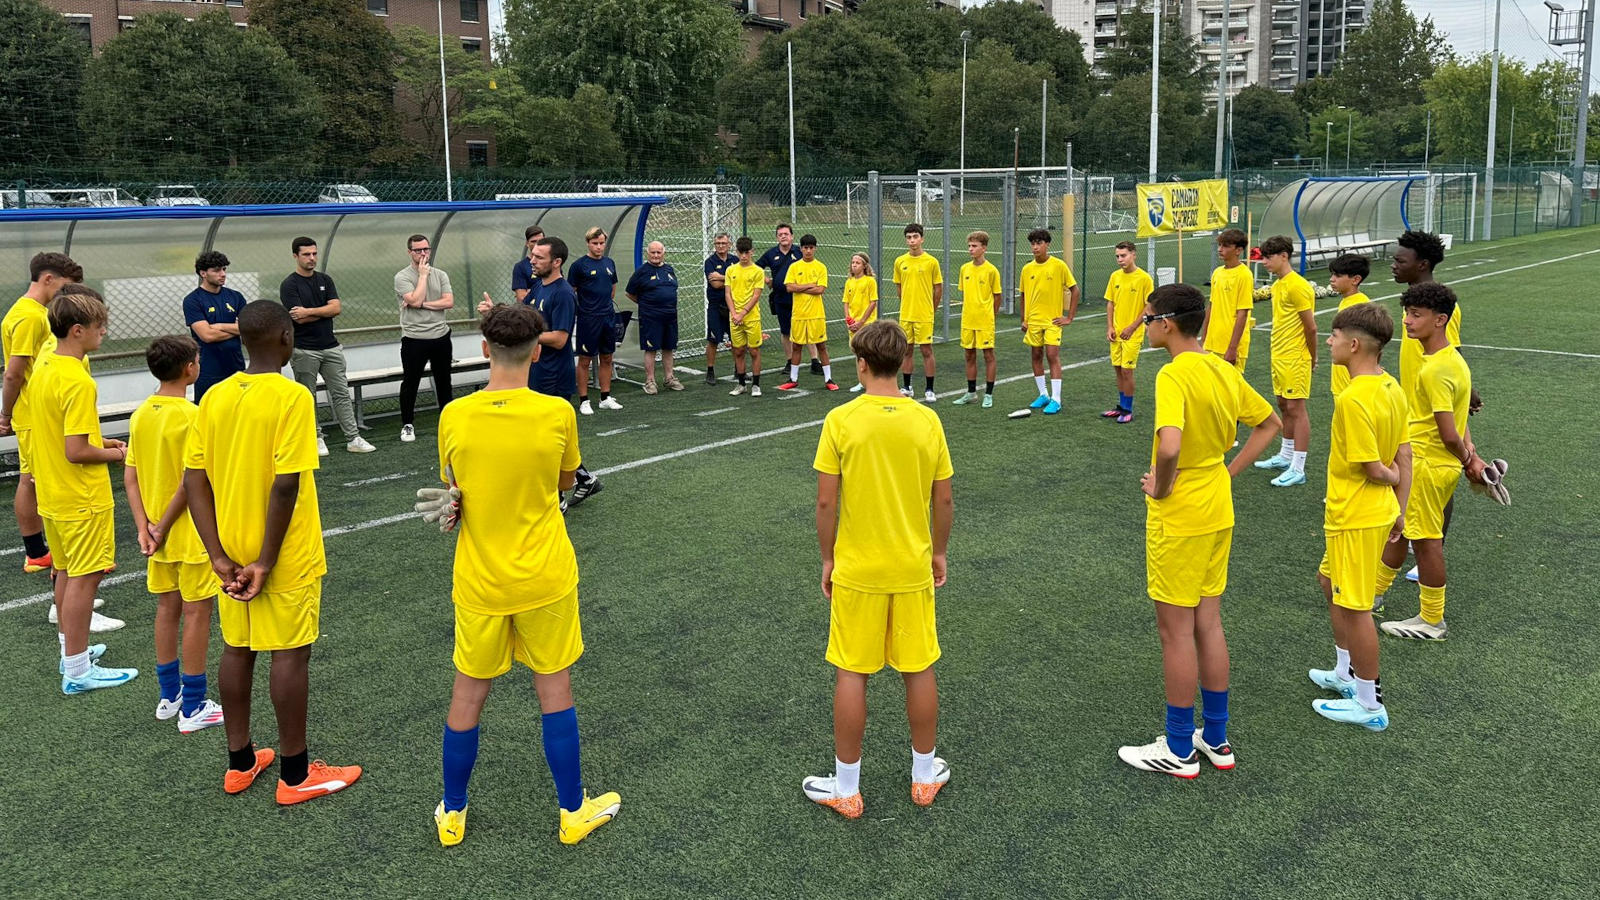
x: 654, y: 287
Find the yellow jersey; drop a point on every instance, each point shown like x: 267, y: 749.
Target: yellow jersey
x: 808, y: 306
x: 1232, y: 291
x: 1205, y: 398
x: 1443, y: 384
x: 743, y: 283
x: 1369, y: 425
x: 25, y: 331
x: 1291, y: 295
x: 1411, y: 350
x: 860, y: 294
x: 917, y: 276
x: 1127, y: 293
x: 1339, y: 377
x: 887, y: 452
x: 979, y: 285
x: 157, y: 434
x: 507, y: 450
x: 64, y: 403
x: 251, y: 428
x: 1044, y: 288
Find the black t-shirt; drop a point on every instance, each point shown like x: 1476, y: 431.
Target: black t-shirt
x: 298, y: 290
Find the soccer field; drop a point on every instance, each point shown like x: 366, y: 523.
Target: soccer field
x: 703, y: 697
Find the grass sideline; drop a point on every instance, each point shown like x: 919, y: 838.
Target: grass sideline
x: 703, y: 697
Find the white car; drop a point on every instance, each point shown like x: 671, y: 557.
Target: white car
x: 176, y: 195
x: 346, y: 193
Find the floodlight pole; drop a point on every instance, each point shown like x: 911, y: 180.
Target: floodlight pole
x: 444, y: 108
x: 792, y: 215
x: 966, y: 36
x: 1155, y: 96
x: 1222, y: 81
x: 1494, y: 111
x: 1579, y: 147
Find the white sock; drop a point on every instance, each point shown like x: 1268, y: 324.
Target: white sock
x: 77, y: 664
x: 794, y: 373
x: 1367, y: 693
x: 62, y: 639
x: 847, y: 777
x: 1039, y: 380
x: 1287, y: 450
x: 827, y: 373
x: 1341, y: 668
x: 922, y: 766
x: 1055, y: 389
x: 1297, y: 462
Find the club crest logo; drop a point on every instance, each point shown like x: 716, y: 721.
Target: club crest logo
x: 1156, y: 208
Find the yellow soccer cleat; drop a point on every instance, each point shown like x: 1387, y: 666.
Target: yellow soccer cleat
x: 452, y: 825
x: 595, y: 811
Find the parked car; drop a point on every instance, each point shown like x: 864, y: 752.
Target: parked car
x: 346, y: 193
x: 69, y: 197
x: 175, y: 195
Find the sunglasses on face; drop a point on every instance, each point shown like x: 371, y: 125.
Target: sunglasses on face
x: 1156, y: 318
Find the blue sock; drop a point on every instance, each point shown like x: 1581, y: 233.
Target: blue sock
x: 1214, y: 709
x: 1127, y: 402
x: 561, y: 752
x: 194, y: 692
x: 1180, y: 730
x: 167, y: 675
x: 460, y: 754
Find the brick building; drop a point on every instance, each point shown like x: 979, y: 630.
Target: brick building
x: 766, y: 17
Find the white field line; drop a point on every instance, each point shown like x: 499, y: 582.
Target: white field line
x: 379, y: 478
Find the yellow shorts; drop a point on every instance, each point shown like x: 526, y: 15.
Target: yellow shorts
x: 867, y: 630
x: 1432, y: 486
x: 1181, y: 569
x: 192, y: 580
x: 281, y: 620
x: 25, y: 451
x: 1042, y: 336
x: 82, y: 546
x: 1350, y: 561
x: 546, y: 639
x: 808, y: 331
x: 1291, y: 378
x: 1125, y: 354
x: 746, y: 333
x: 917, y: 332
x: 977, y: 339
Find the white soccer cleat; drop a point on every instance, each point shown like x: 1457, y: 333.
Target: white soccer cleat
x: 322, y: 446
x: 55, y: 618
x: 1329, y: 680
x: 923, y: 792
x: 905, y: 392
x: 166, y: 709
x: 1416, y: 629
x: 823, y: 790
x: 585, y: 409
x: 1353, y: 713
x: 738, y: 389
x: 408, y: 434
x: 858, y: 388
x: 755, y: 390
x: 930, y: 397
x: 610, y: 403
x: 99, y: 624
x: 1221, y: 755
x: 359, y: 445
x: 209, y: 715
x: 1156, y: 756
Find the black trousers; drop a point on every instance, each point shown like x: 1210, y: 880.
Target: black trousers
x: 415, y: 355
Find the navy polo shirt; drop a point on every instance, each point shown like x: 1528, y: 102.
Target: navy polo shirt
x: 552, y: 373
x: 718, y: 296
x: 223, y: 358
x: 593, y: 280
x: 656, y: 288
x: 777, y: 262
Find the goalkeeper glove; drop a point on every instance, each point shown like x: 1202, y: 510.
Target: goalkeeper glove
x: 441, y: 505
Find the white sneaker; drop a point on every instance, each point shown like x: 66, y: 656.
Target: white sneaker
x: 930, y: 397
x: 166, y: 709
x: 1158, y: 757
x: 755, y: 390
x: 322, y: 446
x: 859, y: 387
x: 207, y: 716
x: 737, y: 390
x: 359, y: 445
x: 54, y: 617
x: 408, y: 434
x: 1416, y: 629
x: 610, y: 403
x: 585, y: 409
x: 905, y: 392
x: 99, y: 624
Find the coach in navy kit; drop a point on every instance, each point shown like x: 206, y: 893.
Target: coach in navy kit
x: 654, y: 286
x: 716, y: 268
x: 552, y: 373
x: 212, y: 313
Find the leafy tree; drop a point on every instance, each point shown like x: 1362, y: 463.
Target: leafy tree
x: 929, y: 34
x: 567, y: 133
x: 1033, y: 37
x: 41, y: 74
x: 659, y: 63
x: 1459, y: 94
x: 1002, y: 94
x: 1333, y: 129
x: 221, y: 97
x: 1385, y: 64
x: 1116, y: 133
x: 416, y: 70
x: 863, y: 110
x: 349, y: 57
x: 1267, y: 125
x: 1181, y: 66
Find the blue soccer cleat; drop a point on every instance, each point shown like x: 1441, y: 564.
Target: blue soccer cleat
x: 1040, y: 403
x: 1353, y: 713
x: 1273, y: 462
x: 97, y: 678
x: 1289, y: 478
x: 1052, y: 408
x: 95, y: 652
x: 1329, y: 680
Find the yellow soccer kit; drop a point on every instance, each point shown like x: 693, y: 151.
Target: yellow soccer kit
x: 507, y: 450
x: 157, y: 434
x: 887, y: 452
x: 1044, y: 289
x: 809, y: 322
x: 980, y: 283
x: 25, y: 331
x: 1188, y: 534
x: 1444, y: 384
x: 1232, y: 292
x: 64, y: 403
x: 251, y: 428
x: 1411, y: 350
x: 861, y: 294
x: 1339, y: 377
x: 743, y: 284
x: 1369, y: 425
x: 1127, y: 293
x: 917, y: 275
x: 1291, y: 358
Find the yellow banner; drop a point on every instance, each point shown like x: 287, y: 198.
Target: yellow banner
x: 1171, y: 206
